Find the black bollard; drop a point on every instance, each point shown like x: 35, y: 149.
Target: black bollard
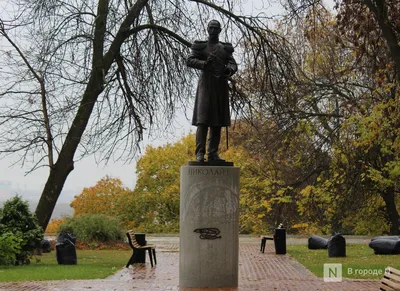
x: 280, y: 241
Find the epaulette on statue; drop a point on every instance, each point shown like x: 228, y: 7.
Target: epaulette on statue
x: 199, y: 45
x: 228, y: 47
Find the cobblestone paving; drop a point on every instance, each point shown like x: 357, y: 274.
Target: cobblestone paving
x: 257, y: 272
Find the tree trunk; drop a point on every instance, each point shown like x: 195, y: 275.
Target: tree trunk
x: 65, y: 162
x: 389, y: 196
x: 380, y: 9
x: 52, y: 190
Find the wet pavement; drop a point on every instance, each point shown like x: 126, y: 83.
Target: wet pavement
x: 257, y: 271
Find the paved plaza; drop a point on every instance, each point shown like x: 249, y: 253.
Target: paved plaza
x: 257, y: 271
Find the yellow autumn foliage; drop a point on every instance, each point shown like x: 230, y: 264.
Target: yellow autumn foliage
x: 103, y: 198
x: 54, y: 225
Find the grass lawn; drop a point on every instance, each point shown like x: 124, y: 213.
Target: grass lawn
x: 360, y: 259
x: 92, y: 264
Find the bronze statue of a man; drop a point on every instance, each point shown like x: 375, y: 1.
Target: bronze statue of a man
x: 211, y: 109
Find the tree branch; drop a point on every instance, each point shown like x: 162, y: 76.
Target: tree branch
x: 46, y: 119
x: 121, y: 34
x: 381, y: 16
x: 160, y: 29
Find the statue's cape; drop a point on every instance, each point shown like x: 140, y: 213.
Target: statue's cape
x: 201, y: 44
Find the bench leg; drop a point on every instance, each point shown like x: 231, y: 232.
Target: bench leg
x: 154, y: 256
x: 131, y: 260
x: 263, y: 242
x: 151, y: 258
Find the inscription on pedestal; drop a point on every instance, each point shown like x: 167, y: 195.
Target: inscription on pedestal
x: 208, y: 233
x: 208, y: 171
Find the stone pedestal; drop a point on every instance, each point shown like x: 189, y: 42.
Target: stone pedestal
x: 209, y: 227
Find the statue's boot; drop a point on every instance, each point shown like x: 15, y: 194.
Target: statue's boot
x: 213, y: 144
x: 201, y: 137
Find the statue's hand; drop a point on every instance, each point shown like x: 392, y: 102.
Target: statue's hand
x: 208, y: 66
x: 227, y: 72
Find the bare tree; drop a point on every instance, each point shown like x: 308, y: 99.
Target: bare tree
x: 86, y: 77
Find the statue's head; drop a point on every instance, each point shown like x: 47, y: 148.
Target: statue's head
x: 214, y: 28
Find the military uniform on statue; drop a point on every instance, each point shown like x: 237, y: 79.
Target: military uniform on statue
x: 211, y: 110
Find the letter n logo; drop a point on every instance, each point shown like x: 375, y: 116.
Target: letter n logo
x: 332, y: 272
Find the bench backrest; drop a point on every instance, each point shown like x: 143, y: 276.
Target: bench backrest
x: 132, y: 239
x: 391, y: 280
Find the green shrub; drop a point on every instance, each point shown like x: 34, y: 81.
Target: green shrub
x: 17, y: 219
x: 89, y: 227
x: 10, y: 247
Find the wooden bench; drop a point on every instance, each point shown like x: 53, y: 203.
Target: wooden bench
x: 391, y: 280
x: 136, y: 247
